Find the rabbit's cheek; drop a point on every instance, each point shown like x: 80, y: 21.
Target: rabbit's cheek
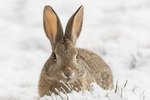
x: 79, y: 71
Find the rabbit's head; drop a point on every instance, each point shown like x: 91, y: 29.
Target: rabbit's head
x: 64, y: 63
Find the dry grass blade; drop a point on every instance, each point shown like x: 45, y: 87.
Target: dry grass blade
x: 51, y: 95
x: 58, y: 92
x: 116, y: 87
x: 66, y: 85
x: 135, y: 87
x: 65, y: 92
x: 125, y: 83
x: 69, y: 86
x: 37, y: 98
x: 121, y: 92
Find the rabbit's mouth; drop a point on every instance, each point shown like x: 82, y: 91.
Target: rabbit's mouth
x: 69, y: 80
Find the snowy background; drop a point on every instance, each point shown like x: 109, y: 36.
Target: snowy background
x: 118, y: 30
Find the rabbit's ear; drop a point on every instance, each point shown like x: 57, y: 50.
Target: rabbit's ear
x: 52, y: 25
x: 74, y: 25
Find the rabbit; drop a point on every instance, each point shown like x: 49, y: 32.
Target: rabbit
x: 70, y: 68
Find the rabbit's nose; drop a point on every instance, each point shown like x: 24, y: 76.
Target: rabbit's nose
x: 68, y: 71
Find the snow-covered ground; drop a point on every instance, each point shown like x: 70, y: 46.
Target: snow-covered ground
x: 118, y: 30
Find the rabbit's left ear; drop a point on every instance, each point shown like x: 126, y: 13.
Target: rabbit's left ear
x: 74, y: 25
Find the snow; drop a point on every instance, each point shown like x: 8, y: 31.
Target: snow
x: 118, y: 30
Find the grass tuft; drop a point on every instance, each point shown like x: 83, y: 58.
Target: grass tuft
x: 94, y: 92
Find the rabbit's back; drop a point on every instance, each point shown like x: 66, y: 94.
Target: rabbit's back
x: 98, y: 69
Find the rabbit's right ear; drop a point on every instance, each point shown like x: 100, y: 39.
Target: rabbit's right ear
x: 52, y: 25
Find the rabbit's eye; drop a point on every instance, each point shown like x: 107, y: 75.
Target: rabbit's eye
x: 77, y: 56
x: 54, y: 55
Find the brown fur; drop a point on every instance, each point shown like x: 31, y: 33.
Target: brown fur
x: 69, y: 66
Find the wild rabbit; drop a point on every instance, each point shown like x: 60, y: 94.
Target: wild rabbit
x: 70, y: 68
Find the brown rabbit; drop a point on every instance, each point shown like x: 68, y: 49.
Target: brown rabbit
x: 70, y: 68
